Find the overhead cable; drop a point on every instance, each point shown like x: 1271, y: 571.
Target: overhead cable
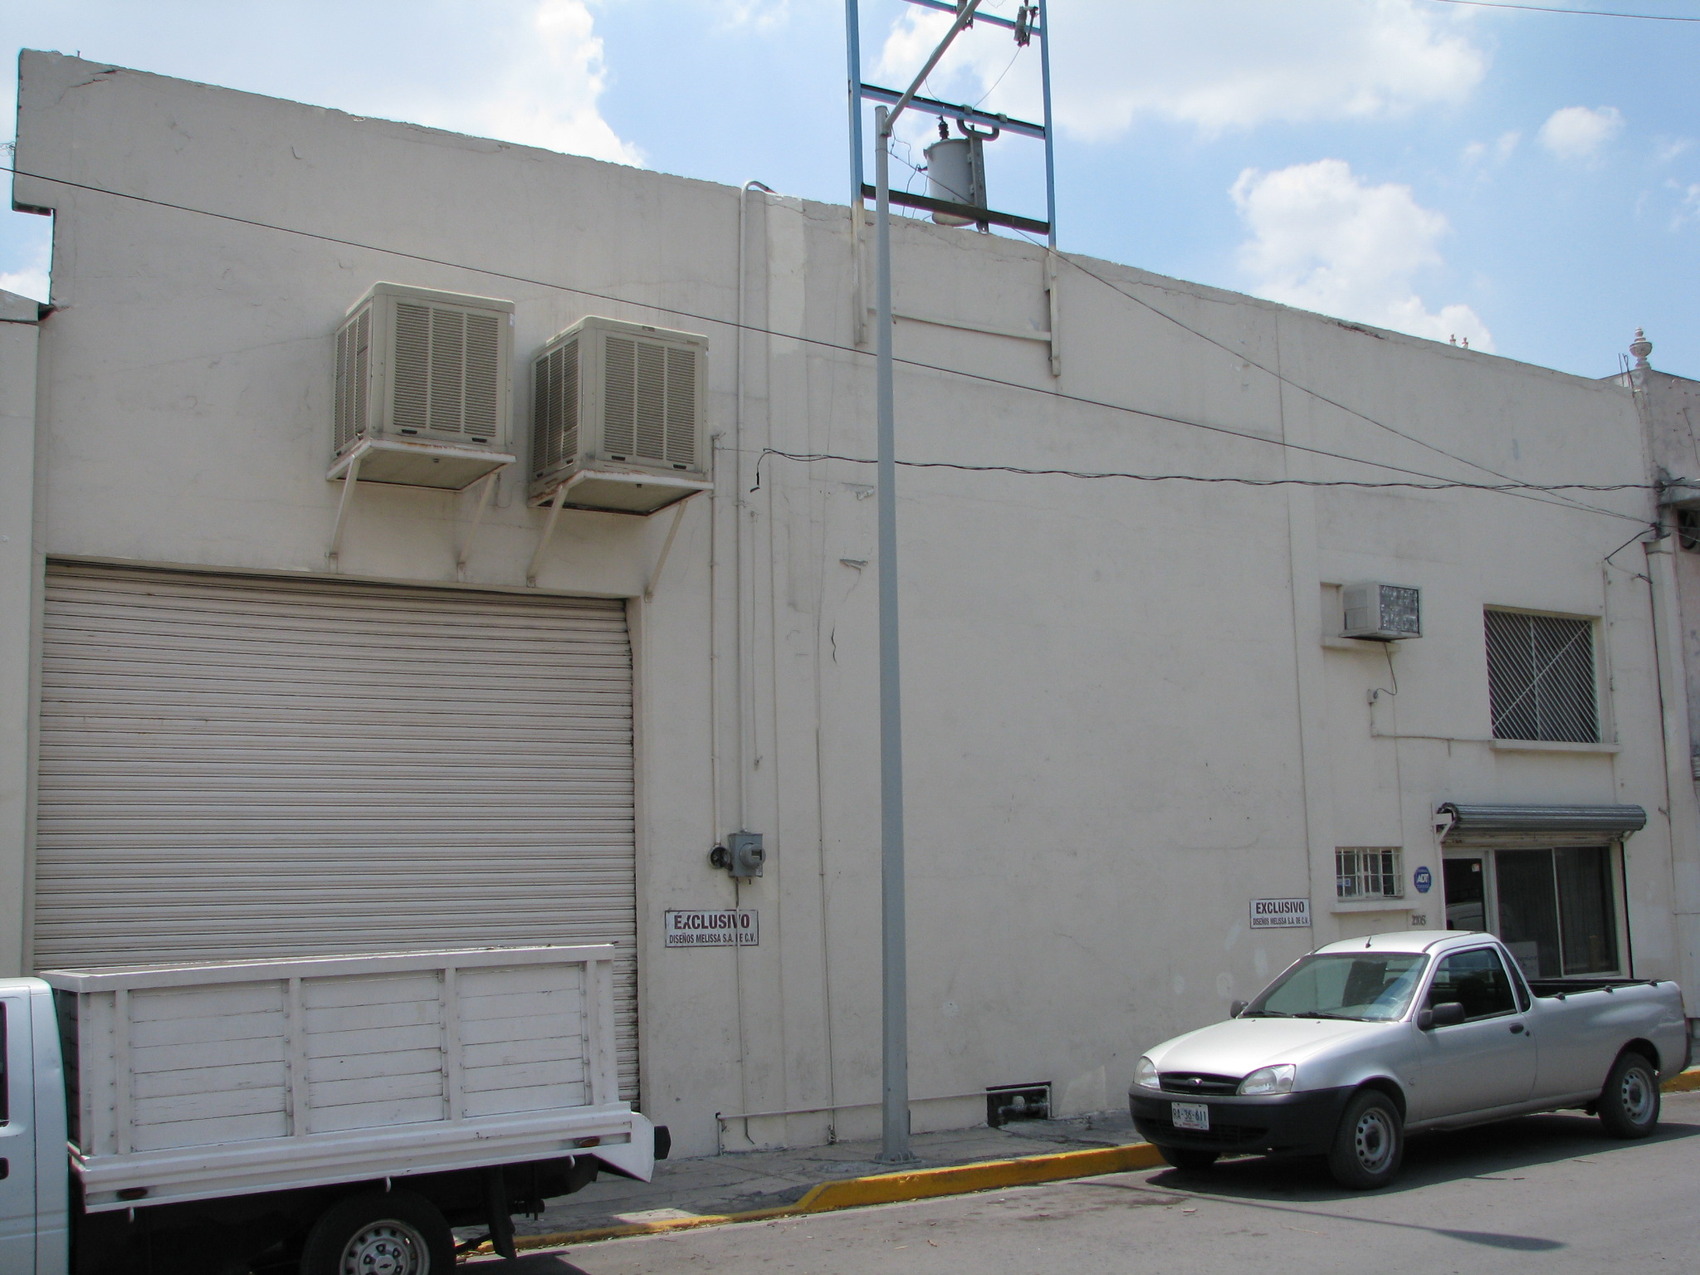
x: 1579, y: 13
x: 1281, y: 377
x: 1049, y: 392
x: 1361, y: 483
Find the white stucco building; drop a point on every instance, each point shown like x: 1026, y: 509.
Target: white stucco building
x: 1669, y: 407
x: 242, y: 714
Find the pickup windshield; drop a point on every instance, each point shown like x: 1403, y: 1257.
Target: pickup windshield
x: 1373, y: 987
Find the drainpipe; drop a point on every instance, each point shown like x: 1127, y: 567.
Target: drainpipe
x: 742, y: 645
x: 742, y: 654
x: 1684, y: 813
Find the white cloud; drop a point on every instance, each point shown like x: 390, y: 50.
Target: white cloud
x: 546, y: 93
x: 1325, y: 241
x: 31, y: 279
x: 1688, y: 204
x: 760, y: 15
x: 1495, y: 152
x: 26, y: 283
x: 1234, y: 64
x: 1580, y: 133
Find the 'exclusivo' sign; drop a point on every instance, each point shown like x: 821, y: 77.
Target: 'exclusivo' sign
x: 725, y: 927
x: 1276, y: 914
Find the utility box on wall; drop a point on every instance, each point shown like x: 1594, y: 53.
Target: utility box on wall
x: 618, y: 419
x: 422, y: 387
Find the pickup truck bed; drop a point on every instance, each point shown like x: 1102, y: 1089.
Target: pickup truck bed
x: 202, y: 1081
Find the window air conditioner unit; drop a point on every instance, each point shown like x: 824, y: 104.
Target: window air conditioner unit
x: 1381, y: 612
x: 617, y: 417
x: 422, y: 388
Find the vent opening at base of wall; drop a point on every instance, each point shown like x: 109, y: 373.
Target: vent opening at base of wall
x: 1017, y: 1102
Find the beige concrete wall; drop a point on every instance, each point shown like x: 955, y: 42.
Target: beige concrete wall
x: 1126, y: 712
x: 1670, y: 407
x: 20, y: 571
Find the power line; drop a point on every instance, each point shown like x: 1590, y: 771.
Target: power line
x: 1023, y: 471
x: 979, y: 377
x: 1282, y: 379
x: 1580, y: 13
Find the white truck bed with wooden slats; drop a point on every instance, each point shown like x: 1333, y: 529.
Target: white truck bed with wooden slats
x: 196, y: 1081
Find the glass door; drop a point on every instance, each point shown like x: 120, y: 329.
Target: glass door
x: 1466, y: 894
x: 1557, y: 910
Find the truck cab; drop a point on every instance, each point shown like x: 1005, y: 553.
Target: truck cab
x: 34, y: 1171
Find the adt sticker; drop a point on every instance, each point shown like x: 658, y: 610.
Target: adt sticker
x: 1424, y: 880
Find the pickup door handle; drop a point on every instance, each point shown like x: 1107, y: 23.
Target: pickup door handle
x: 5, y: 1170
x: 1516, y: 1028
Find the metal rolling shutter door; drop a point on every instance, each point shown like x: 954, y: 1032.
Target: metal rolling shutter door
x: 245, y: 766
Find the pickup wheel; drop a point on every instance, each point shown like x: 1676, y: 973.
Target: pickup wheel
x: 379, y: 1233
x: 1188, y: 1159
x: 1629, y: 1104
x: 1370, y: 1143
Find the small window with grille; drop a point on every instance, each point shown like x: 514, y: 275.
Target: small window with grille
x: 1368, y: 872
x: 1541, y: 678
x: 1688, y: 529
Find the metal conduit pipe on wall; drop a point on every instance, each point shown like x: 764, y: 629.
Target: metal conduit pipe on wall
x: 742, y: 629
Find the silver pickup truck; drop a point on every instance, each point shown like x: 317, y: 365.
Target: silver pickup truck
x: 1362, y: 1041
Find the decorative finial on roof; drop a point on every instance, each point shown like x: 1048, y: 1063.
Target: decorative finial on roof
x: 1640, y: 347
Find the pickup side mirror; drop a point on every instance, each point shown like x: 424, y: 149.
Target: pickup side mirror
x: 1445, y: 1014
x: 1236, y: 1009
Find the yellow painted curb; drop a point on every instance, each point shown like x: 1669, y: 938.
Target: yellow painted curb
x: 563, y: 1238
x: 1683, y: 1081
x: 887, y: 1188
x: 922, y: 1184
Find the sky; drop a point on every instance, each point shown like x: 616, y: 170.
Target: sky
x: 1527, y: 181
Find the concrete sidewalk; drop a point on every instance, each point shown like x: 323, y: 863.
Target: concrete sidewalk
x: 751, y: 1185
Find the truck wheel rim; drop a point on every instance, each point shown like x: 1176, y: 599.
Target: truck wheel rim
x: 1636, y: 1095
x: 1373, y: 1138
x: 385, y: 1248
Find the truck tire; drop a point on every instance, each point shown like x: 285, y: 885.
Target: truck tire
x: 1629, y: 1104
x: 1188, y: 1159
x: 379, y: 1233
x: 1370, y: 1143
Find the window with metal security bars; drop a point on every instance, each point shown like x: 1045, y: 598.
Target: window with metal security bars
x: 1368, y: 872
x: 1541, y: 678
x: 1688, y: 529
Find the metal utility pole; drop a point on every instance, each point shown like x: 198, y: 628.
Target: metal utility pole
x: 1029, y: 24
x: 894, y: 947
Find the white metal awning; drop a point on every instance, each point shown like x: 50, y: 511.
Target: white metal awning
x: 1471, y: 823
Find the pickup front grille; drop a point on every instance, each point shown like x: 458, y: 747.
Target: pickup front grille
x: 1198, y: 1082
x: 1225, y: 1135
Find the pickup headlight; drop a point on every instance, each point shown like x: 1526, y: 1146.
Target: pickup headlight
x: 1145, y: 1074
x: 1267, y: 1080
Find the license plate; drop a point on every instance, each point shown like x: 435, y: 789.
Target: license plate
x: 1189, y: 1115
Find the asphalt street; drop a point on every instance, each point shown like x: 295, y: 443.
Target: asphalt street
x: 1547, y: 1193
